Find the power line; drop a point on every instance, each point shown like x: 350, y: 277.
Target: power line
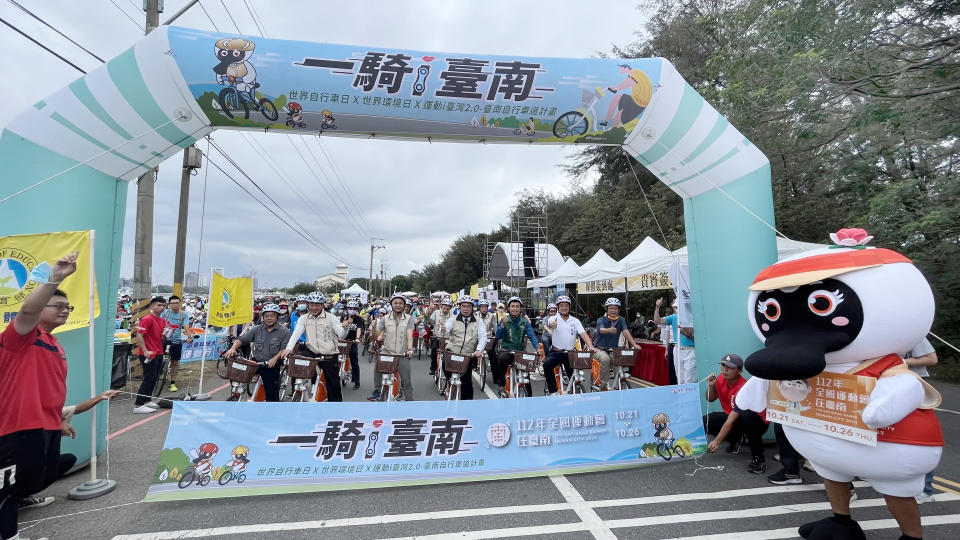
x: 209, y: 18
x: 48, y: 25
x: 346, y: 188
x: 42, y: 46
x: 345, y: 208
x: 256, y: 15
x: 125, y: 14
x: 231, y: 16
x: 320, y: 244
x: 255, y: 21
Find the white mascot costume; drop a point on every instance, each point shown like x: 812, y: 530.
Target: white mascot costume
x: 851, y: 309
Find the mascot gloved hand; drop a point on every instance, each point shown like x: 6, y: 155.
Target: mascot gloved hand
x: 851, y: 309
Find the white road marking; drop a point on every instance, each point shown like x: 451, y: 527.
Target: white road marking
x: 586, y: 514
x: 486, y: 389
x: 947, y: 411
x: 791, y: 532
x: 261, y: 528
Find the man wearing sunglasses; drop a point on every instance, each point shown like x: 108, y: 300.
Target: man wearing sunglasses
x: 33, y: 389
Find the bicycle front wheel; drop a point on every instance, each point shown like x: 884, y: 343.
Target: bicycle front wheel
x: 483, y: 373
x: 187, y: 479
x: 664, y: 451
x: 523, y: 390
x: 230, y: 101
x: 679, y: 451
x: 223, y: 367
x: 225, y: 477
x: 161, y: 379
x: 284, y: 383
x: 573, y: 123
x: 268, y: 109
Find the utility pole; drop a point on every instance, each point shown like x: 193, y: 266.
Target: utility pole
x: 382, y: 284
x: 192, y: 159
x: 373, y: 247
x: 143, y: 238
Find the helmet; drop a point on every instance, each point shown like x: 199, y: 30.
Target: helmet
x: 243, y: 450
x: 326, y: 112
x: 315, y: 298
x: 563, y: 298
x: 446, y: 301
x: 301, y: 298
x: 660, y: 418
x: 483, y: 302
x: 271, y: 307
x: 612, y: 302
x: 353, y: 304
x: 398, y: 295
x: 208, y: 448
x: 515, y: 299
x: 465, y: 299
x: 551, y: 305
x: 294, y: 106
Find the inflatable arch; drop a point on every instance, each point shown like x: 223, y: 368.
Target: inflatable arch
x: 178, y: 85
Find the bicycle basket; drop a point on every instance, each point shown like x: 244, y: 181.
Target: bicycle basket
x: 624, y: 357
x: 587, y: 97
x: 580, y: 359
x: 301, y: 367
x: 525, y: 361
x: 456, y: 363
x: 386, y: 363
x: 241, y: 370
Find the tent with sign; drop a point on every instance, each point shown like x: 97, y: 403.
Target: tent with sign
x: 600, y: 275
x: 567, y: 273
x: 353, y: 290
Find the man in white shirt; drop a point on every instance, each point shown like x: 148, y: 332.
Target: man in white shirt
x: 322, y: 330
x: 564, y: 328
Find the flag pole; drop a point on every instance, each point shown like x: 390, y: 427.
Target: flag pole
x: 203, y: 354
x: 94, y: 487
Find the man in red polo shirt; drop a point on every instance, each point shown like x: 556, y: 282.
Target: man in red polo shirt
x: 150, y: 351
x: 732, y: 424
x: 33, y: 389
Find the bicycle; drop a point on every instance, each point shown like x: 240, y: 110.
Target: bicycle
x: 241, y: 373
x: 518, y: 375
x: 191, y: 476
x: 302, y: 370
x: 285, y: 389
x: 386, y: 366
x: 483, y: 364
x: 458, y: 365
x: 525, y: 130
x: 164, y: 375
x: 232, y: 99
x: 343, y: 350
x: 439, y: 377
x: 576, y: 123
x: 229, y: 474
x: 580, y: 361
x: 666, y: 450
x: 624, y: 360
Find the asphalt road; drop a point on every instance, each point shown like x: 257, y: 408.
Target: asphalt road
x: 710, y: 498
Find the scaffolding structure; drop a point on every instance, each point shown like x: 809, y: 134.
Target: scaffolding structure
x: 530, y: 233
x: 487, y: 259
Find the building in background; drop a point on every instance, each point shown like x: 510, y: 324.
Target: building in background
x: 191, y: 279
x: 338, y: 278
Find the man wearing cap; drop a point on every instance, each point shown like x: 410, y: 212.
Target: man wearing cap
x: 733, y: 423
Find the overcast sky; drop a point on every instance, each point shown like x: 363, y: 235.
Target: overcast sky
x: 416, y: 196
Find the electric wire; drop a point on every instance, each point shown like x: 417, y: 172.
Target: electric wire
x: 125, y: 14
x: 231, y: 16
x: 255, y: 21
x: 348, y: 206
x: 320, y: 244
x: 336, y: 170
x: 256, y: 15
x: 42, y: 46
x: 209, y: 18
x: 48, y: 25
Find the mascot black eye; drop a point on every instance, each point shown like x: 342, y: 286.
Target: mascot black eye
x: 237, y: 54
x: 223, y: 53
x: 823, y: 302
x: 770, y: 309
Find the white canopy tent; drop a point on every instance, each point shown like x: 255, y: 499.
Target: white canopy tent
x: 600, y: 266
x: 567, y: 273
x: 647, y: 251
x: 353, y: 290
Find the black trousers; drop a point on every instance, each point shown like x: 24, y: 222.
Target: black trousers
x: 466, y: 380
x: 355, y: 364
x: 789, y: 457
x: 270, y: 379
x: 554, y: 359
x: 330, y: 367
x: 498, y: 366
x: 672, y: 369
x: 151, y: 372
x: 434, y: 349
x: 29, y: 462
x: 749, y: 424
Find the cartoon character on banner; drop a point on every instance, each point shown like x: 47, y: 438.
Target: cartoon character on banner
x: 851, y: 309
x: 203, y: 458
x: 234, y: 56
x: 295, y: 115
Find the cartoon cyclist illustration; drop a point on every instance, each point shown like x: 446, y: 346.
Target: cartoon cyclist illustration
x: 203, y: 458
x: 662, y: 424
x: 295, y: 115
x: 329, y: 122
x: 234, y: 56
x: 240, y: 459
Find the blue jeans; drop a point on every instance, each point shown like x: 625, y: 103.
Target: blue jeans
x: 928, y: 483
x: 555, y: 359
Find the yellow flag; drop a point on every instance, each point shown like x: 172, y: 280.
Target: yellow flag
x: 475, y: 290
x: 231, y: 300
x: 453, y: 297
x: 336, y: 297
x: 20, y: 254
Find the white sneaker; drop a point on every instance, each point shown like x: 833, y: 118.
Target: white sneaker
x: 925, y: 498
x: 144, y: 409
x: 152, y: 404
